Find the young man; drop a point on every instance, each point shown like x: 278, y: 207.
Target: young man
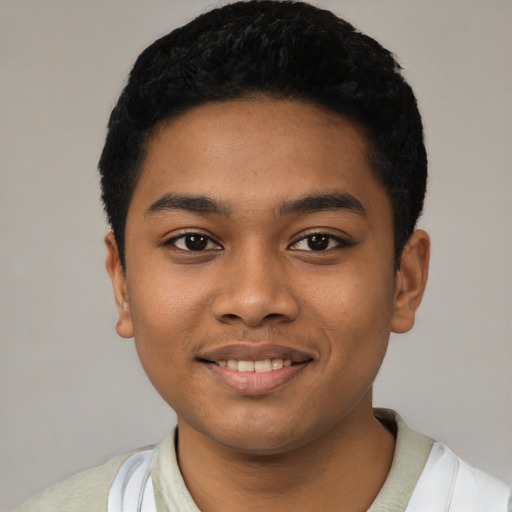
x: 263, y: 173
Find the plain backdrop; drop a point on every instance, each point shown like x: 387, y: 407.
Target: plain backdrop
x: 72, y: 393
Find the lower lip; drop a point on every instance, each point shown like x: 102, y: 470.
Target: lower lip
x: 255, y: 383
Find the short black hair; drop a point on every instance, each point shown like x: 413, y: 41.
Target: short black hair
x: 282, y: 50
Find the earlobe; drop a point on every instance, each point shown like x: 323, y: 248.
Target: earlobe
x: 124, y: 326
x: 411, y: 280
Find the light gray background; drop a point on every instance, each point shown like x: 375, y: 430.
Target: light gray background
x: 72, y: 394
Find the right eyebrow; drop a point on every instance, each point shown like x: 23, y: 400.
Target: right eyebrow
x: 334, y: 201
x: 197, y: 204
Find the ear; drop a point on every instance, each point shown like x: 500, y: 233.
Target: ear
x: 411, y: 279
x: 115, y: 270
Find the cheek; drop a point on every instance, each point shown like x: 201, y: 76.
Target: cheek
x: 167, y: 314
x: 355, y: 312
x: 165, y: 298
x: 357, y: 298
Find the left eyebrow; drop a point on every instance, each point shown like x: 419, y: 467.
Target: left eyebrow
x: 196, y: 204
x: 322, y: 202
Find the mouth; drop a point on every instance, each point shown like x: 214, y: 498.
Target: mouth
x: 258, y: 366
x: 255, y: 370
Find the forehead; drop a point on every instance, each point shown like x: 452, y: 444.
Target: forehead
x: 257, y: 153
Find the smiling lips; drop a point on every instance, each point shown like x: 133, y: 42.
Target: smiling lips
x: 255, y: 369
x: 259, y: 366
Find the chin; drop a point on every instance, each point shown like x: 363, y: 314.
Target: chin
x: 263, y: 437
x: 262, y: 446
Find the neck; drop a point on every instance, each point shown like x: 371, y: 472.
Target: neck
x: 343, y: 469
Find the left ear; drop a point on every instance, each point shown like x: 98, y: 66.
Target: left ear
x: 124, y: 326
x: 411, y: 279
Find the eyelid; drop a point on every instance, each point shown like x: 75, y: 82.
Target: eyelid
x: 341, y: 241
x: 171, y: 241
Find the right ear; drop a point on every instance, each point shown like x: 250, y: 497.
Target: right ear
x: 124, y: 326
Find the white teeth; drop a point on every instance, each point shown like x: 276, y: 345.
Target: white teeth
x: 259, y: 366
x: 262, y: 366
x: 245, y: 366
x: 277, y: 364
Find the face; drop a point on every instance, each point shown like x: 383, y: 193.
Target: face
x: 259, y: 282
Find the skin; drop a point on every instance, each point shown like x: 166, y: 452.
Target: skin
x: 310, y: 442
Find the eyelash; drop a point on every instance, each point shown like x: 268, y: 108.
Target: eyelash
x: 204, y: 241
x: 309, y: 238
x: 183, y: 238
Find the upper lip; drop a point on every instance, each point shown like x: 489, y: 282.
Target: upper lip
x: 255, y: 352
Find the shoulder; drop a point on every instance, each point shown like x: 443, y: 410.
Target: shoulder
x: 84, y: 492
x: 426, y: 475
x: 449, y: 481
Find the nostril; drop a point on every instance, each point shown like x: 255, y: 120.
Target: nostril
x: 233, y: 317
x: 253, y: 305
x: 274, y: 316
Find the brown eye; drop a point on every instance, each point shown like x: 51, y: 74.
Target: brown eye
x: 196, y: 242
x: 193, y: 242
x: 318, y: 242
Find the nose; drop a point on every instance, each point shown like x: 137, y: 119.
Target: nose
x: 255, y: 290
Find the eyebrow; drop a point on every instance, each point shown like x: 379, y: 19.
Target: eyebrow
x: 197, y: 204
x: 334, y: 201
x: 322, y: 202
